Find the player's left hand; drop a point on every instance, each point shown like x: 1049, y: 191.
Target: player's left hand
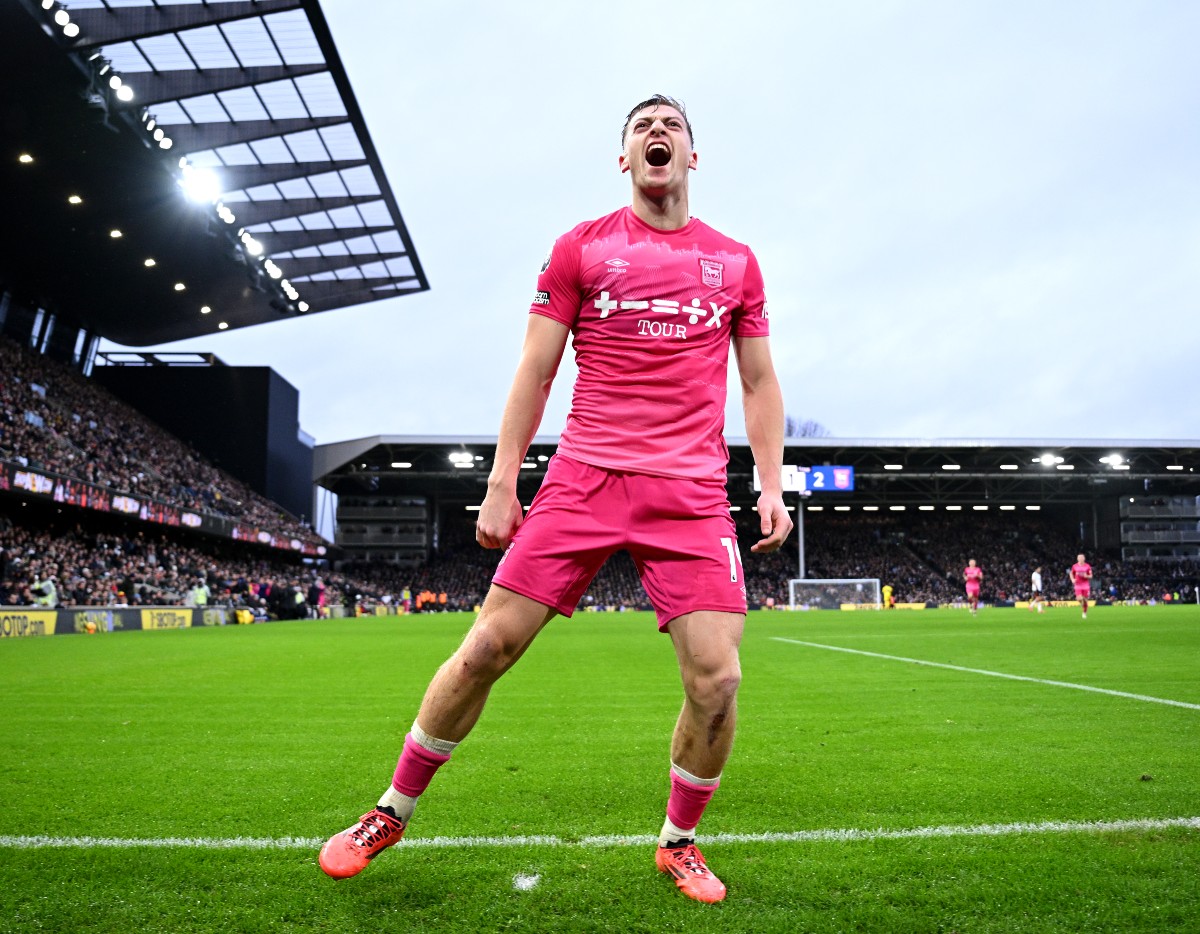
x: 774, y: 523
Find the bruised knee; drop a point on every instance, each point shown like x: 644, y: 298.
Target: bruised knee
x: 714, y: 690
x: 485, y: 654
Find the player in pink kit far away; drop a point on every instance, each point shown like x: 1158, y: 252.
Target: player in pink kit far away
x: 1081, y: 579
x: 652, y: 300
x: 973, y: 577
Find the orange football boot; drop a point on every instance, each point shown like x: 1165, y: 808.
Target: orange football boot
x: 686, y: 865
x: 347, y: 853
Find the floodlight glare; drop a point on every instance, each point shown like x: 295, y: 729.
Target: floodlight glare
x: 179, y: 286
x: 205, y: 309
x: 71, y: 30
x: 62, y: 17
x: 253, y: 247
x: 46, y: 4
x: 202, y: 185
x: 150, y: 261
x: 75, y: 199
x: 303, y: 306
x: 115, y: 82
x: 159, y: 134
x: 223, y: 325
x: 125, y: 93
x: 150, y: 124
x: 115, y: 234
x: 165, y: 142
x: 25, y: 158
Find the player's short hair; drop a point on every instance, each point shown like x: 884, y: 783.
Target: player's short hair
x: 659, y: 100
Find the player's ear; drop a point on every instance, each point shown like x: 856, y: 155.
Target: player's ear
x: 623, y: 162
x: 693, y: 159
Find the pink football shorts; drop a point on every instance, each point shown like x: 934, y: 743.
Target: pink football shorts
x: 679, y: 533
x: 973, y: 588
x: 1083, y: 590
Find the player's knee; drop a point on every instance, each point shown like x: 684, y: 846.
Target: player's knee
x: 485, y: 654
x: 714, y: 689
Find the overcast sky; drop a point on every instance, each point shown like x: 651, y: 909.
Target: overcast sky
x: 975, y: 219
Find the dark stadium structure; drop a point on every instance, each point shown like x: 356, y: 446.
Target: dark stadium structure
x: 110, y: 111
x: 171, y: 170
x: 395, y: 493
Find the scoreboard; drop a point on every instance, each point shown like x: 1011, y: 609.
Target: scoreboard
x: 808, y: 480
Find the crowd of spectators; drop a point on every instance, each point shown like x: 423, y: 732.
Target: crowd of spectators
x: 921, y: 559
x: 54, y: 419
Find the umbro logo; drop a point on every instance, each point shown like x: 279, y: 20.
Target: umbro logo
x: 618, y: 263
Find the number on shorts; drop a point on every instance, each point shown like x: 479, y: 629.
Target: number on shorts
x: 735, y: 559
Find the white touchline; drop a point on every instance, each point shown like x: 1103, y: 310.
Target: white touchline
x: 794, y: 836
x: 993, y: 674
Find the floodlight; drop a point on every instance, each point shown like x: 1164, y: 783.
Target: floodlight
x: 202, y: 185
x: 125, y: 93
x: 158, y: 134
x: 1009, y: 467
x: 71, y: 30
x: 150, y: 124
x: 223, y: 326
x: 74, y: 199
x: 62, y: 17
x: 115, y: 234
x: 115, y: 82
x: 46, y: 4
x: 150, y: 261
x: 205, y: 309
x: 303, y: 306
x: 165, y: 142
x: 105, y: 69
x: 179, y: 286
x: 951, y: 467
x: 1112, y: 460
x: 25, y: 158
x: 401, y: 465
x: 253, y: 247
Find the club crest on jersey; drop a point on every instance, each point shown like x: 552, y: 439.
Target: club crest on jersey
x: 712, y: 273
x: 546, y: 261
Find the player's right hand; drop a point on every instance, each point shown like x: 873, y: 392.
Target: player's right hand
x: 499, y: 518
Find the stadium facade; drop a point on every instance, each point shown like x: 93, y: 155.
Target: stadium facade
x: 1140, y: 498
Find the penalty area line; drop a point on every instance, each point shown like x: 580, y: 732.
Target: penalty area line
x: 992, y: 674
x: 796, y: 836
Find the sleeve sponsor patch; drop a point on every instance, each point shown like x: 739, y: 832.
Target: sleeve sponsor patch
x: 541, y: 297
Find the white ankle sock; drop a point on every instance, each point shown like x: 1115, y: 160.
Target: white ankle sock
x: 402, y: 804
x: 671, y: 834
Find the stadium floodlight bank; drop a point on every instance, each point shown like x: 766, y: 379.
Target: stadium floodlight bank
x: 832, y: 594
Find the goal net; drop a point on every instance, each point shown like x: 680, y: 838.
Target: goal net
x: 832, y: 594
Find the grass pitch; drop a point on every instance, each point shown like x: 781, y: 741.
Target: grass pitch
x: 183, y: 781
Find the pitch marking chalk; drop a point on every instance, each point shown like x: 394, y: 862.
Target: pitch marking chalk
x: 796, y: 836
x: 993, y: 674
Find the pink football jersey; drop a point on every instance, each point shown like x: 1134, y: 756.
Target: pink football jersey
x: 652, y: 313
x: 1081, y: 572
x: 973, y: 576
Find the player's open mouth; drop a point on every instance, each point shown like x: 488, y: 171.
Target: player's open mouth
x: 657, y: 154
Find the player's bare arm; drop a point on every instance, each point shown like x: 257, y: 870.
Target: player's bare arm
x: 762, y: 401
x: 500, y: 515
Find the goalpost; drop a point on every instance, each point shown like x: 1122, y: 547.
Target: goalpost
x: 830, y: 594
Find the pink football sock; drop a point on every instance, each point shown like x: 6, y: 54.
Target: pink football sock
x: 416, y: 768
x: 688, y: 800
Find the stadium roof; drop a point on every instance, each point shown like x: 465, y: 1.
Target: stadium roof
x: 99, y: 102
x: 888, y: 472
